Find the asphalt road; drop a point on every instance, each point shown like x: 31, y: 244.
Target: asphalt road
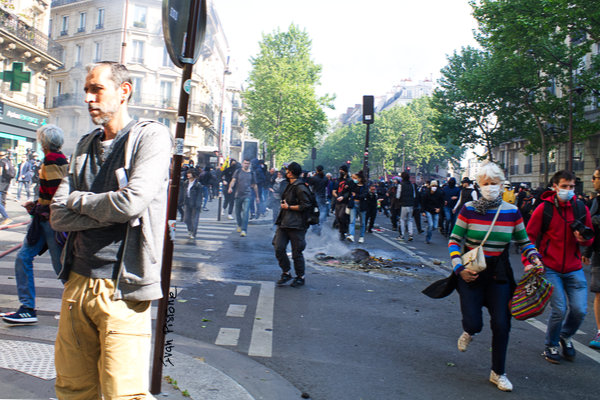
x: 356, y: 335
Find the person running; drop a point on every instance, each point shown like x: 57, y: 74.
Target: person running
x: 246, y: 191
x: 492, y: 287
x: 291, y: 226
x: 432, y: 203
x: 359, y: 208
x: 229, y: 196
x: 39, y: 234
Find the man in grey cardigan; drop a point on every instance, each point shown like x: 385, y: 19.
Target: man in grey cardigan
x: 113, y: 205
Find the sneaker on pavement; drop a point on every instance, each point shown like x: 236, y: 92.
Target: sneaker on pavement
x: 463, y: 341
x: 7, y: 221
x: 595, y: 342
x: 501, y: 381
x: 551, y: 354
x: 361, y: 239
x: 239, y: 229
x: 297, y: 282
x: 568, y: 351
x: 23, y: 315
x: 285, y: 277
x: 243, y: 233
x: 229, y: 216
x: 410, y: 238
x: 350, y: 238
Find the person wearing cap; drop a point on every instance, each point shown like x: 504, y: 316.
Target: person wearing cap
x: 467, y: 193
x: 292, y: 225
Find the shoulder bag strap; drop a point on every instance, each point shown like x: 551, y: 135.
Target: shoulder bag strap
x: 491, y: 226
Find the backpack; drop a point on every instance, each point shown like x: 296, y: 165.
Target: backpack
x: 578, y: 211
x: 312, y: 214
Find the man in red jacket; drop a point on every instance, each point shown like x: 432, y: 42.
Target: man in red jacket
x: 558, y: 239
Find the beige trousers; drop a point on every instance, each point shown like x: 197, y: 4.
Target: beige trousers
x: 102, y: 346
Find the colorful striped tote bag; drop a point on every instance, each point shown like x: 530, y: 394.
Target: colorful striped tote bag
x: 531, y: 295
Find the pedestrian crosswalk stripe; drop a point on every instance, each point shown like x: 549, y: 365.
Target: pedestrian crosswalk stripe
x: 47, y: 304
x: 243, y: 290
x: 39, y: 282
x: 236, y: 310
x: 228, y: 337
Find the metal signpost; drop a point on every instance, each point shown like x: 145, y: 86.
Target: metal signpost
x: 184, y: 26
x: 368, y: 119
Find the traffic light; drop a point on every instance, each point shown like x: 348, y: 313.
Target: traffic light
x: 348, y: 162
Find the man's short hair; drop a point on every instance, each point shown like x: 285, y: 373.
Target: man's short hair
x: 563, y: 174
x: 405, y: 176
x: 119, y: 73
x: 319, y: 168
x: 295, y: 169
x: 246, y: 159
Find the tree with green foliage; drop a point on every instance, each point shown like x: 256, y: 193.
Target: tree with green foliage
x: 466, y: 102
x: 281, y: 106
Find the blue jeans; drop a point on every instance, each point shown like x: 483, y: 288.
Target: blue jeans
x: 242, y: 209
x: 323, y: 210
x: 24, y: 264
x: 206, y: 193
x: 449, y: 219
x: 3, y: 211
x: 20, y: 186
x: 432, y: 224
x: 485, y: 291
x: 571, y: 287
x: 363, y: 216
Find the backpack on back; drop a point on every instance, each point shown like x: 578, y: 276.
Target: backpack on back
x: 578, y: 213
x: 8, y: 170
x: 312, y: 214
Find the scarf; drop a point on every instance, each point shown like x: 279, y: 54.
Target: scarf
x: 482, y: 205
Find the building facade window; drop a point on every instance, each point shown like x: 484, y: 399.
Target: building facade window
x: 77, y: 55
x: 137, y: 89
x: 82, y: 17
x: 97, y: 52
x: 165, y: 121
x: 50, y: 28
x: 138, y: 52
x: 58, y: 88
x: 166, y: 89
x: 167, y: 59
x: 65, y: 25
x: 100, y: 20
x: 139, y: 16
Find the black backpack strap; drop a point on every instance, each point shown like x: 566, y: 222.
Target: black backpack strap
x: 546, y: 219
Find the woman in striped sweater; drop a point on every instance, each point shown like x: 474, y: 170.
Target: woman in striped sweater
x: 494, y: 286
x: 39, y: 234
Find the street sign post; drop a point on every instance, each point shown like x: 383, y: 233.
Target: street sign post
x: 184, y: 25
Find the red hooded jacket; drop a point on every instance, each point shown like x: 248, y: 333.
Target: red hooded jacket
x: 558, y: 247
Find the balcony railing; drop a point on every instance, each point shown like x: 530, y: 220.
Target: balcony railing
x: 236, y: 142
x: 578, y: 165
x: 202, y: 108
x: 99, y: 26
x: 514, y: 169
x: 80, y: 29
x: 12, y: 24
x: 68, y: 99
x: 56, y: 3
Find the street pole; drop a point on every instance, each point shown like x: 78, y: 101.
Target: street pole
x: 368, y: 118
x: 570, y: 143
x: 167, y: 260
x: 366, y: 159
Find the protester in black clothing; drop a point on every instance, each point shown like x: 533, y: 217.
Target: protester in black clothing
x: 432, y: 202
x: 291, y: 226
x: 191, y: 200
x: 394, y: 202
x: 343, y: 201
x: 318, y: 184
x: 275, y: 192
x: 371, y: 207
x: 226, y: 178
x: 467, y: 193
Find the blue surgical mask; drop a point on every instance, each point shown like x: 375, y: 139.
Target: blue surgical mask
x: 355, y: 180
x: 565, y: 195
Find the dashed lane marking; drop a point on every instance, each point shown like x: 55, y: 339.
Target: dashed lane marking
x: 236, y: 310
x: 439, y: 268
x: 243, y: 290
x: 228, y: 337
x: 261, y: 343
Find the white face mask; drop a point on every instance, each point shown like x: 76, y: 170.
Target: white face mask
x: 490, y: 192
x: 565, y: 194
x: 433, y: 188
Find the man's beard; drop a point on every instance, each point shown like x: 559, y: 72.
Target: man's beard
x: 107, y: 113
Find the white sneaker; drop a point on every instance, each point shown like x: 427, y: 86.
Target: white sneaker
x: 229, y: 216
x: 361, y: 239
x: 243, y: 234
x: 501, y: 381
x: 350, y: 238
x: 463, y: 341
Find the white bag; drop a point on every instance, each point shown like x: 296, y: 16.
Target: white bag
x: 474, y: 259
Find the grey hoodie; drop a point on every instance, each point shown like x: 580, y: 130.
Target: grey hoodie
x: 142, y: 203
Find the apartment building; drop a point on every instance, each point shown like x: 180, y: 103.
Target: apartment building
x: 27, y: 57
x: 130, y: 31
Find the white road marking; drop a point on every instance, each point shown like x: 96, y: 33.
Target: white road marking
x: 180, y: 254
x: 51, y: 283
x: 581, y: 348
x: 228, y: 337
x: 261, y: 342
x: 236, y: 310
x: 440, y: 268
x: 42, y: 303
x: 243, y: 290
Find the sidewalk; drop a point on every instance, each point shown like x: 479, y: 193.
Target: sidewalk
x: 200, y: 370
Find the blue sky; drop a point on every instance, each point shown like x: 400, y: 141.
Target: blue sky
x: 365, y: 47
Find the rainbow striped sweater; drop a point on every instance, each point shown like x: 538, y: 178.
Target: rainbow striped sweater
x: 472, y: 227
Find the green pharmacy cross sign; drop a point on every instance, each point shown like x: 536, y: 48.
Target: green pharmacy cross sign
x: 16, y: 77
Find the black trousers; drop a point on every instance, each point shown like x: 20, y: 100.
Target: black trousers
x: 342, y: 219
x: 371, y: 215
x: 283, y: 236
x: 229, y: 201
x: 394, y: 217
